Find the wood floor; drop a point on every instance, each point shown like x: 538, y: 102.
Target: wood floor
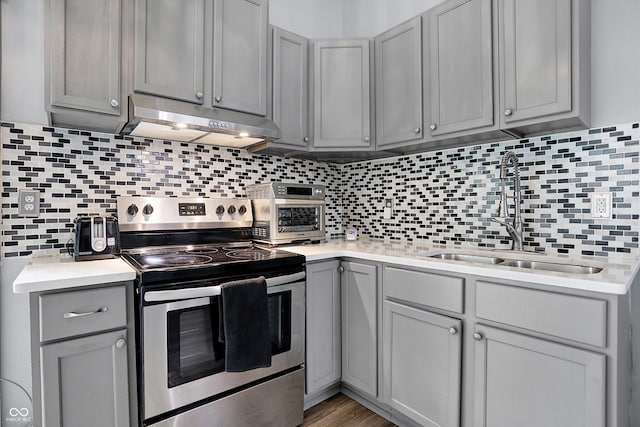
x: 342, y: 411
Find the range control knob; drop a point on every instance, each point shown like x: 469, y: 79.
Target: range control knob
x: 242, y: 210
x: 132, y: 210
x: 147, y: 210
x: 231, y: 210
x: 220, y: 210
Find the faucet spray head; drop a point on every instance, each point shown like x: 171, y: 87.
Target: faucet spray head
x: 502, y: 206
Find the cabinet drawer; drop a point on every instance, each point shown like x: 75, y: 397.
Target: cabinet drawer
x: 566, y: 316
x: 433, y: 290
x: 67, y: 314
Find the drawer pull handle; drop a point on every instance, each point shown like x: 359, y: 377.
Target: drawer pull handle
x: 73, y: 314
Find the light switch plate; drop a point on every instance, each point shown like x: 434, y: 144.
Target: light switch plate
x: 387, y: 210
x: 29, y: 203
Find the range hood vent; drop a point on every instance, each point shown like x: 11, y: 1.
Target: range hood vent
x: 154, y: 117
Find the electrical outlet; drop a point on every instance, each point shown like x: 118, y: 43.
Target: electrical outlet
x: 29, y: 203
x: 387, y: 211
x: 601, y: 205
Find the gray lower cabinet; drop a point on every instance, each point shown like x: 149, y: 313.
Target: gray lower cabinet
x: 85, y: 381
x: 360, y: 326
x: 323, y: 336
x: 548, y: 40
x: 290, y: 100
x: 240, y: 32
x: 341, y: 94
x: 169, y: 48
x: 459, y: 39
x: 529, y: 382
x: 398, y: 78
x: 83, y: 354
x: 84, y: 63
x: 422, y: 364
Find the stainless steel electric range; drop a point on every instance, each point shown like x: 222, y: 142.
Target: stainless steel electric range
x: 184, y: 249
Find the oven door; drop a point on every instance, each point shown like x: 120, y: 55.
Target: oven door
x: 183, y: 360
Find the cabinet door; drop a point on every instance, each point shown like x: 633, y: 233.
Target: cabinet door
x: 461, y: 66
x: 85, y: 382
x: 399, y: 84
x: 169, y: 49
x: 291, y: 87
x: 341, y: 91
x: 528, y: 382
x: 535, y: 46
x: 422, y: 353
x: 323, y: 326
x: 85, y: 55
x: 359, y: 330
x: 240, y: 55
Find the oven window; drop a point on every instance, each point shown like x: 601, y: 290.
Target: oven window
x: 193, y: 344
x: 299, y: 218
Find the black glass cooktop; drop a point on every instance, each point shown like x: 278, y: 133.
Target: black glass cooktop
x: 171, y: 264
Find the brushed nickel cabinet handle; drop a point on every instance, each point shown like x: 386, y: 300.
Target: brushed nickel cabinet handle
x: 73, y: 314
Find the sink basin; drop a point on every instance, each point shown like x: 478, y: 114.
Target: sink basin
x: 550, y: 266
x: 468, y: 258
x: 518, y: 263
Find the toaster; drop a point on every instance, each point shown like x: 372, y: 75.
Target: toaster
x: 97, y: 237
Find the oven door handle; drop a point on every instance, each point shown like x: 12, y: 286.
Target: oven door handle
x: 289, y: 278
x: 212, y: 291
x: 179, y: 294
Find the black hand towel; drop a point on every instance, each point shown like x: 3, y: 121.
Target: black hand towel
x: 246, y: 325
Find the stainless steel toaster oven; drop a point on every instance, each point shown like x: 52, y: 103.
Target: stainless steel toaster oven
x: 287, y: 213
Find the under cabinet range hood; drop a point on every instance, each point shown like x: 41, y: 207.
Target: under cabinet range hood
x: 154, y: 117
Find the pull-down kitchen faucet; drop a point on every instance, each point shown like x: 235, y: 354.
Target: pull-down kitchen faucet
x: 509, y: 159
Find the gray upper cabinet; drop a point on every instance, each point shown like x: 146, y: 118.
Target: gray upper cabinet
x: 529, y: 382
x: 85, y: 381
x: 341, y: 94
x: 290, y: 101
x: 460, y: 66
x: 240, y: 55
x: 544, y: 62
x: 398, y: 76
x: 422, y: 365
x: 323, y: 338
x: 169, y: 49
x: 359, y: 326
x: 84, y: 61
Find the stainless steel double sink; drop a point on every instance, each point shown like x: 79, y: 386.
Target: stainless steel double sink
x: 518, y: 263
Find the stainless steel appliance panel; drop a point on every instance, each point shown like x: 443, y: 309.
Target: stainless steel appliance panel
x: 273, y: 403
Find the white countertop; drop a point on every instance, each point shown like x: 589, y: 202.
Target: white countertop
x: 616, y: 278
x: 61, y: 271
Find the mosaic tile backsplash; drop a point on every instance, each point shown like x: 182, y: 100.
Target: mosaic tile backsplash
x: 444, y: 197
x: 82, y: 173
x: 448, y: 196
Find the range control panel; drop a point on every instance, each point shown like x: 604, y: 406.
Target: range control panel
x: 180, y: 213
